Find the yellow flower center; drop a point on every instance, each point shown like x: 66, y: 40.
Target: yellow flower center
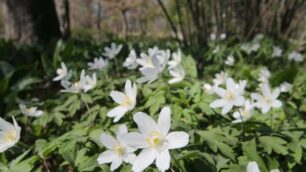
x: 244, y: 113
x: 229, y: 95
x: 60, y: 71
x: 268, y: 99
x: 149, y: 62
x: 127, y: 101
x: 77, y: 85
x: 29, y: 110
x: 155, y: 139
x: 120, y: 150
x: 10, y: 136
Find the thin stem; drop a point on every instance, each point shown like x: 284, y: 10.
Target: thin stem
x: 116, y: 63
x: 176, y: 161
x: 242, y: 123
x: 46, y: 165
x: 271, y: 119
x: 87, y: 107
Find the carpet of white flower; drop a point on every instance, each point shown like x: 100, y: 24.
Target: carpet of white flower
x: 150, y: 112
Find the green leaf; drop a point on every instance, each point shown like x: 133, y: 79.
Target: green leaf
x: 190, y: 66
x: 249, y: 150
x: 276, y: 144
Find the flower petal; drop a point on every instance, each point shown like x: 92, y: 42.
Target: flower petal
x: 218, y: 103
x: 164, y: 120
x: 4, y: 125
x: 134, y: 140
x: 117, y: 96
x: 107, y: 157
x: 220, y: 91
x: 145, y: 123
x: 144, y: 159
x: 108, y: 141
x: 275, y: 93
x: 276, y: 104
x: 116, y: 163
x: 226, y: 108
x: 128, y: 88
x: 163, y: 160
x: 252, y: 167
x: 117, y: 112
x: 177, y: 139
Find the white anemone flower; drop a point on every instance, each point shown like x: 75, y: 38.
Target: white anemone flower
x: 245, y: 113
x: 220, y: 78
x: 130, y: 61
x: 277, y: 52
x: 126, y: 101
x: 274, y: 170
x: 222, y: 36
x: 296, y: 56
x: 163, y: 56
x: 9, y: 134
x: 150, y: 74
x: 268, y: 99
x: 213, y: 36
x: 62, y: 73
x: 208, y: 89
x: 85, y: 84
x: 70, y: 87
x: 264, y: 75
x: 230, y: 60
x: 112, y: 51
x: 229, y: 97
x: 31, y: 111
x: 145, y: 60
x: 250, y: 47
x: 118, y: 152
x: 285, y: 87
x: 98, y: 64
x: 90, y: 82
x: 216, y: 50
x: 176, y: 59
x: 155, y: 140
x: 252, y: 167
x: 178, y: 74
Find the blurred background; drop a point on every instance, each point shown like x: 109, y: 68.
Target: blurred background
x: 189, y: 22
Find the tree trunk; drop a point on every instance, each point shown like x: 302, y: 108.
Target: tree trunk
x: 28, y: 21
x: 64, y: 15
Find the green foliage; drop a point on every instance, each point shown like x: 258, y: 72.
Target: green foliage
x: 66, y: 137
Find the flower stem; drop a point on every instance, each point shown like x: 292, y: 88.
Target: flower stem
x: 176, y: 162
x: 271, y: 119
x: 242, y: 123
x: 116, y: 63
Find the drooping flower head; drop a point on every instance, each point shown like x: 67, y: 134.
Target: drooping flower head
x: 176, y: 59
x: 85, y: 84
x: 245, y: 113
x: 178, y: 74
x: 31, y: 111
x: 131, y: 61
x: 62, y: 73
